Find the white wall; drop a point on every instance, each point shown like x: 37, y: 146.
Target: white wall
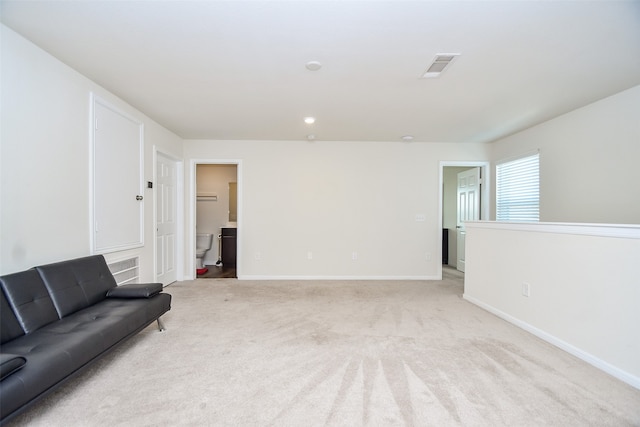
x: 44, y: 190
x: 333, y: 199
x: 583, y: 284
x: 588, y: 161
x: 584, y: 289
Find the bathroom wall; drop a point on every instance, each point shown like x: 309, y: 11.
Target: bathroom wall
x: 211, y: 215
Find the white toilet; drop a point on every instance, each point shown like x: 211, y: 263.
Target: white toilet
x: 203, y: 244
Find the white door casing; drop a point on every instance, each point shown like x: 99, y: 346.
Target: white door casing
x: 468, y: 208
x: 190, y: 259
x: 166, y: 220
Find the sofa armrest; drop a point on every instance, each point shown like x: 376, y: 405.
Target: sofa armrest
x: 135, y: 290
x: 9, y: 363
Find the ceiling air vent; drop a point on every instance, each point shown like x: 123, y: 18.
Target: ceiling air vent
x: 439, y: 64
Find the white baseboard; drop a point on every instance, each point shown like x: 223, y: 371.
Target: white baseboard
x: 293, y: 277
x: 622, y: 375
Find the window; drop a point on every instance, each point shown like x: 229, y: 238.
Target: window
x: 518, y: 189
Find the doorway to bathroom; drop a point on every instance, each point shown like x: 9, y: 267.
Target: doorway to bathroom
x: 216, y: 220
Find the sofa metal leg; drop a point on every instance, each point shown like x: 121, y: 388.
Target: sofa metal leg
x: 160, y: 325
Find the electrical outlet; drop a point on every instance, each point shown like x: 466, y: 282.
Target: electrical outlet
x: 526, y: 289
x: 309, y: 255
x: 427, y: 256
x: 354, y: 255
x: 257, y: 256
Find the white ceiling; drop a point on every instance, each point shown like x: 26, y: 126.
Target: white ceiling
x: 236, y: 69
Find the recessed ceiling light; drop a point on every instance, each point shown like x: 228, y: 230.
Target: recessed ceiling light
x: 313, y: 65
x: 309, y: 120
x: 407, y: 138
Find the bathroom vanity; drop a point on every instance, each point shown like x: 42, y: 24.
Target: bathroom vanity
x: 229, y: 236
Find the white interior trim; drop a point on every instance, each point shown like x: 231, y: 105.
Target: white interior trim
x: 191, y: 234
x: 583, y: 355
x: 94, y: 101
x: 625, y: 231
x: 372, y: 278
x: 484, y: 201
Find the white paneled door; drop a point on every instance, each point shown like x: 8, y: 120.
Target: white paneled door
x: 468, y: 208
x: 166, y: 225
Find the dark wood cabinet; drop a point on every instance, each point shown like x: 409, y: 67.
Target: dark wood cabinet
x: 445, y: 246
x: 229, y: 245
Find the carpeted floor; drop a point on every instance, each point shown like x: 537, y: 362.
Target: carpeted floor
x: 339, y: 353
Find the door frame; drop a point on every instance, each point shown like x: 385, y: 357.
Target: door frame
x: 179, y: 212
x: 485, y: 171
x: 190, y: 263
x: 461, y: 229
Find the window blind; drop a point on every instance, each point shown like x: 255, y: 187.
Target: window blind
x: 518, y: 189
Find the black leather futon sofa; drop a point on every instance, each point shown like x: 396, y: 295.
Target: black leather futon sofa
x: 58, y: 318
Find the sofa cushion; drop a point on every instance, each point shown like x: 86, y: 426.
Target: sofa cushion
x: 9, y: 326
x: 9, y: 363
x: 29, y: 299
x: 51, y: 358
x: 57, y: 350
x: 135, y: 290
x: 78, y: 283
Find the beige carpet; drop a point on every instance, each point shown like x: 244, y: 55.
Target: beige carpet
x: 340, y: 353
